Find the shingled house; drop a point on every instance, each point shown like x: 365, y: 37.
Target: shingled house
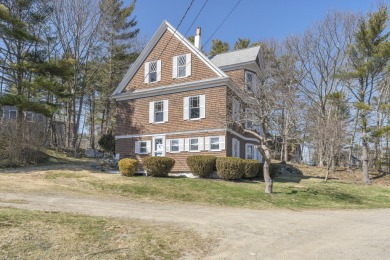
x: 174, y: 101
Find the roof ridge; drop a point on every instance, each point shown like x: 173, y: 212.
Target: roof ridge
x: 234, y: 51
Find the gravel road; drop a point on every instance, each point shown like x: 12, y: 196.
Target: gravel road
x: 244, y: 233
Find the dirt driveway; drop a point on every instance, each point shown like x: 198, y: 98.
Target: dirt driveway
x: 244, y: 233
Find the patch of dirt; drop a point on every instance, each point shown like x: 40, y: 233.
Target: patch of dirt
x: 244, y: 233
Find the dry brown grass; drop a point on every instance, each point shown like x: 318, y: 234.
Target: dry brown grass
x: 52, y: 235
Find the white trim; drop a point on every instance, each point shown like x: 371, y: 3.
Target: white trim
x: 236, y: 143
x: 241, y: 136
x: 219, y: 144
x: 172, y: 133
x: 149, y: 47
x: 190, y: 132
x: 176, y: 88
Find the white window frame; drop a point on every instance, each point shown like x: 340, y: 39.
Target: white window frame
x: 236, y: 111
x: 197, y: 144
x: 176, y: 67
x: 249, y: 85
x: 252, y: 146
x: 154, y: 144
x: 187, y: 146
x: 178, y: 145
x: 9, y: 114
x: 138, y: 145
x: 152, y: 112
x: 218, y: 143
x: 147, y: 74
x: 248, y: 118
x: 235, y: 148
x: 187, y: 107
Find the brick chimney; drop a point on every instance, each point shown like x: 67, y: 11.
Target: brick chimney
x: 197, y: 42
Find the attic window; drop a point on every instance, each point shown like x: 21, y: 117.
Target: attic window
x: 249, y: 80
x: 153, y: 71
x: 181, y: 66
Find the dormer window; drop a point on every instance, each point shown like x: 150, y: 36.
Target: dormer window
x: 181, y: 66
x: 152, y: 71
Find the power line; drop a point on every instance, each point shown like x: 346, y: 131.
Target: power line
x: 231, y: 11
x: 189, y: 28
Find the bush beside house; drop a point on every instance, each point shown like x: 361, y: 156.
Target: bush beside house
x: 229, y: 168
x: 202, y: 165
x: 251, y: 168
x: 128, y: 167
x: 158, y: 166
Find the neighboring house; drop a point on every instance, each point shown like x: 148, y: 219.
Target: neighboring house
x: 37, y: 121
x: 176, y: 102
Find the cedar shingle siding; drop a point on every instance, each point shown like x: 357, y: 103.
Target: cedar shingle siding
x: 133, y: 119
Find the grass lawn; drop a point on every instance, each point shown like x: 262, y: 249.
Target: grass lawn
x: 289, y: 192
x: 52, y: 235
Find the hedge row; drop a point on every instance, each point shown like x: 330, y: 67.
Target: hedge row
x: 228, y: 168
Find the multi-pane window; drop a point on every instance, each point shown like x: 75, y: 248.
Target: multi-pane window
x: 235, y: 148
x: 249, y: 151
x: 181, y: 66
x: 153, y: 71
x: 143, y: 147
x: 214, y: 143
x: 194, y: 107
x: 175, y: 145
x: 236, y: 110
x: 12, y: 114
x: 194, y: 144
x: 249, y: 80
x: 159, y: 111
x: 248, y: 118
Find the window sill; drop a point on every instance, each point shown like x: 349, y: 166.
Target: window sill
x: 159, y: 122
x: 174, y: 152
x: 197, y: 151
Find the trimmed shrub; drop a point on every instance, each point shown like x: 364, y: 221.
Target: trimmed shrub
x: 128, y: 167
x: 202, y: 165
x: 158, y: 166
x: 251, y: 168
x: 229, y: 168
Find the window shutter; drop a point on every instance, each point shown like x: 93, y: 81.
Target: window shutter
x: 165, y: 102
x: 188, y: 65
x: 246, y: 151
x: 187, y: 144
x: 186, y: 108
x: 159, y: 70
x: 200, y: 143
x: 181, y: 144
x: 137, y: 147
x: 222, y: 142
x: 167, y: 146
x: 151, y: 112
x: 174, y: 67
x: 146, y: 74
x: 148, y: 146
x: 202, y: 106
x: 207, y: 143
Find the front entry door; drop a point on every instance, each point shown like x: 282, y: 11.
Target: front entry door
x: 158, y: 146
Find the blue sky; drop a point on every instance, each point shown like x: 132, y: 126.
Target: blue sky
x: 253, y: 19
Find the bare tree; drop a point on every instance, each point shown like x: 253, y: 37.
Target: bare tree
x: 320, y: 54
x: 77, y: 24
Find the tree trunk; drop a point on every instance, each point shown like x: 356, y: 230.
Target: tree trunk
x: 365, y: 157
x: 266, y: 169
